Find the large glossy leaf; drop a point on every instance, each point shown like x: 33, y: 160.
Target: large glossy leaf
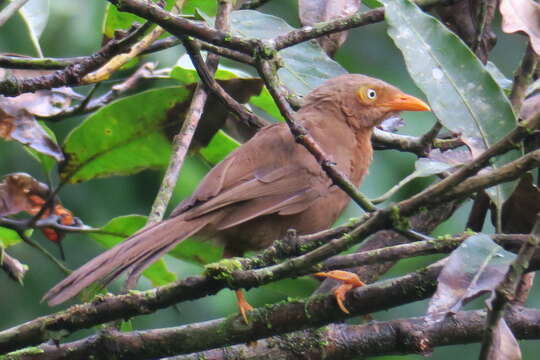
x: 123, y: 137
x: 461, y: 92
x: 305, y: 66
x: 122, y: 227
x: 476, y: 267
x: 35, y: 14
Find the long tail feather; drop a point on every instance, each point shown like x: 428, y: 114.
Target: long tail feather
x: 136, y: 252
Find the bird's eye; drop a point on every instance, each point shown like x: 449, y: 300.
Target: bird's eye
x: 371, y: 94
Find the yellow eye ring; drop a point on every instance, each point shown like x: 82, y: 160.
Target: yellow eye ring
x: 366, y: 94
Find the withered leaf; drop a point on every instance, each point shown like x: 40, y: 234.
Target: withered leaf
x: 19, y: 125
x: 17, y: 121
x: 474, y: 268
x: 13, y: 267
x: 519, y: 211
x: 21, y: 192
x: 316, y: 11
x: 522, y: 15
x: 530, y: 106
x: 451, y: 157
x: 392, y: 123
x: 505, y: 345
x: 16, y: 191
x: 461, y: 18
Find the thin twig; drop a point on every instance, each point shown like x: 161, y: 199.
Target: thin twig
x: 250, y: 118
x: 45, y: 252
x: 89, y: 105
x: 183, y: 139
x: 523, y: 77
x: 114, y: 64
x: 10, y: 10
x: 73, y: 74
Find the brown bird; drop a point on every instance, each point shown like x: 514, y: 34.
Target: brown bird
x: 268, y: 185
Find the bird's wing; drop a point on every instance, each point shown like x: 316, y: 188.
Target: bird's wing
x: 268, y: 174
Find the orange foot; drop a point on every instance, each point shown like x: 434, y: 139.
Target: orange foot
x: 243, y: 305
x: 350, y: 281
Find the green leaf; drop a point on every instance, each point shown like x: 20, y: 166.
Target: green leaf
x: 209, y: 7
x: 461, y: 92
x: 118, y: 20
x: 185, y: 72
x: 372, y: 4
x: 265, y: 102
x: 498, y: 76
x: 123, y: 227
x: 8, y: 237
x: 47, y: 162
x: 219, y: 147
x: 123, y: 137
x: 197, y: 251
x: 305, y: 66
x: 35, y: 14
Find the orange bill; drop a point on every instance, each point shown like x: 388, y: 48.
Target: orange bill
x: 404, y: 102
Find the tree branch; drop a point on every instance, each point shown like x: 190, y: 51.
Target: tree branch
x: 404, y: 336
x: 271, y: 320
x: 73, y: 74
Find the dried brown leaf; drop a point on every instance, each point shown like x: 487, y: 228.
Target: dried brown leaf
x: 461, y: 18
x: 392, y: 123
x: 522, y: 15
x: 19, y: 125
x: 316, y: 11
x: 530, y: 106
x: 473, y: 269
x: 20, y: 192
x: 452, y: 157
x: 17, y: 121
x: 519, y: 211
x: 505, y: 345
x: 16, y: 192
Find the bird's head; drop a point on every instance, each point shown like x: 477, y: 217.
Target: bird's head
x: 363, y: 101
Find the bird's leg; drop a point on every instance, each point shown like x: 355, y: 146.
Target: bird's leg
x: 241, y: 301
x: 243, y: 305
x: 350, y: 281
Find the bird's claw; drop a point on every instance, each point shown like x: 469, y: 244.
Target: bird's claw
x: 350, y: 281
x: 243, y: 305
